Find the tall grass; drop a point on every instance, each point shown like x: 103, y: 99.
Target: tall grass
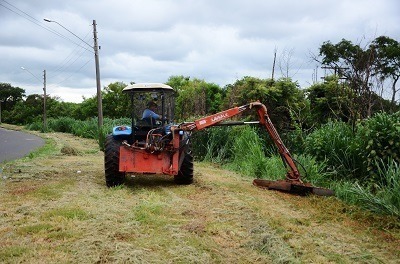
x: 86, y: 129
x: 336, y: 145
x: 382, y: 197
x: 332, y: 158
x: 248, y: 154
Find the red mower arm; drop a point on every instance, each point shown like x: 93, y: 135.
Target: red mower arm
x: 205, y: 122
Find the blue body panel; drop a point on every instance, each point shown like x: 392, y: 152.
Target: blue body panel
x: 121, y: 131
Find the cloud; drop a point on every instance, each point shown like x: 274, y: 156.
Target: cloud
x: 148, y: 41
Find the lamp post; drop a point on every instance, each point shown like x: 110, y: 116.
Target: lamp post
x: 95, y: 48
x: 44, y: 95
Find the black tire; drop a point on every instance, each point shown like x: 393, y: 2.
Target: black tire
x: 111, y: 162
x: 185, y: 174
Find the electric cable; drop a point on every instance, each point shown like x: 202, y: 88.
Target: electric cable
x: 39, y: 23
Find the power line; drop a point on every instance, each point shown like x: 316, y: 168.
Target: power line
x: 66, y: 63
x: 56, y: 84
x: 39, y: 23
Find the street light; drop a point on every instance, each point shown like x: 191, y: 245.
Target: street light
x: 44, y: 95
x: 95, y: 47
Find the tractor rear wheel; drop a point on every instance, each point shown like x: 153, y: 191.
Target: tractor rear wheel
x: 111, y: 162
x: 185, y: 174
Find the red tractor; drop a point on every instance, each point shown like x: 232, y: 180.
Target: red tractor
x: 154, y: 145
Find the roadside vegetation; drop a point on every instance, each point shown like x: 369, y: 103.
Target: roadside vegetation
x: 344, y: 134
x: 56, y: 208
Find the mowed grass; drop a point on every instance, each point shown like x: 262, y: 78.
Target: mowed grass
x: 54, y: 207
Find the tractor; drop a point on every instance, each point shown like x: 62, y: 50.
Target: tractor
x: 154, y: 144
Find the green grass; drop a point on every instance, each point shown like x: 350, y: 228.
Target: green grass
x: 68, y: 213
x: 33, y: 229
x: 51, y: 192
x: 7, y: 253
x: 382, y: 197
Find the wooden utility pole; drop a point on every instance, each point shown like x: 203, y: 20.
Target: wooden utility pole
x: 273, y: 65
x: 337, y: 71
x: 96, y: 58
x: 44, y: 102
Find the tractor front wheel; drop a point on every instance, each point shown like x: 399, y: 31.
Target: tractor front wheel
x: 185, y: 174
x: 111, y: 162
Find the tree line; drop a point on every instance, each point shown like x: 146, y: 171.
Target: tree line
x: 364, y: 81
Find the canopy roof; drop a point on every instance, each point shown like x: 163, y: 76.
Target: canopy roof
x: 147, y: 87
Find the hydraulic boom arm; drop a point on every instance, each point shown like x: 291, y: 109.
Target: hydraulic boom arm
x: 205, y: 122
x: 293, y: 182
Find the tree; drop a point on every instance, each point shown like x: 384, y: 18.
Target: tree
x: 87, y: 109
x: 26, y: 112
x: 10, y: 95
x: 195, y: 97
x: 365, y: 70
x: 281, y: 97
x: 329, y: 100
x: 115, y: 103
x: 388, y: 64
x: 355, y: 64
x: 57, y: 108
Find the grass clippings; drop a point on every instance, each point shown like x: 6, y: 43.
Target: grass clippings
x: 57, y: 208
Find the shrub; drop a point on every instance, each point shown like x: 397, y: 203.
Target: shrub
x: 336, y: 145
x: 61, y: 124
x: 313, y: 171
x: 379, y: 139
x: 36, y: 126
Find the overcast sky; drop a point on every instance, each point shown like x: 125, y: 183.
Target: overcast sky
x: 219, y: 41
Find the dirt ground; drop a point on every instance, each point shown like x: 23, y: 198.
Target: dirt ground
x: 55, y: 208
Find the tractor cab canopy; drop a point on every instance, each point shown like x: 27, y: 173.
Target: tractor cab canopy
x: 159, y: 96
x: 148, y: 87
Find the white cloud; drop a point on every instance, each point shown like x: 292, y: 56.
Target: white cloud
x: 219, y: 41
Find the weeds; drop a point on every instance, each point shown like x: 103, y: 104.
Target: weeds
x: 381, y: 197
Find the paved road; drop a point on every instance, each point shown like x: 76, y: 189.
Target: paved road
x: 16, y: 144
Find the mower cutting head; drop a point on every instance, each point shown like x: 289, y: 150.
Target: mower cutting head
x: 295, y: 187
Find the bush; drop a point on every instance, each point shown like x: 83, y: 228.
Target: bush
x: 37, y: 126
x: 336, y: 145
x: 61, y: 124
x: 379, y: 139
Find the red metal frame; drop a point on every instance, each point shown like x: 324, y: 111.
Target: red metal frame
x: 142, y: 159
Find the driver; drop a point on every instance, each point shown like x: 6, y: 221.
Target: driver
x: 149, y: 112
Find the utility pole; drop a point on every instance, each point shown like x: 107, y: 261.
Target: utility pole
x: 273, y: 65
x: 95, y: 48
x: 96, y: 58
x: 338, y: 71
x: 44, y: 95
x: 44, y: 102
